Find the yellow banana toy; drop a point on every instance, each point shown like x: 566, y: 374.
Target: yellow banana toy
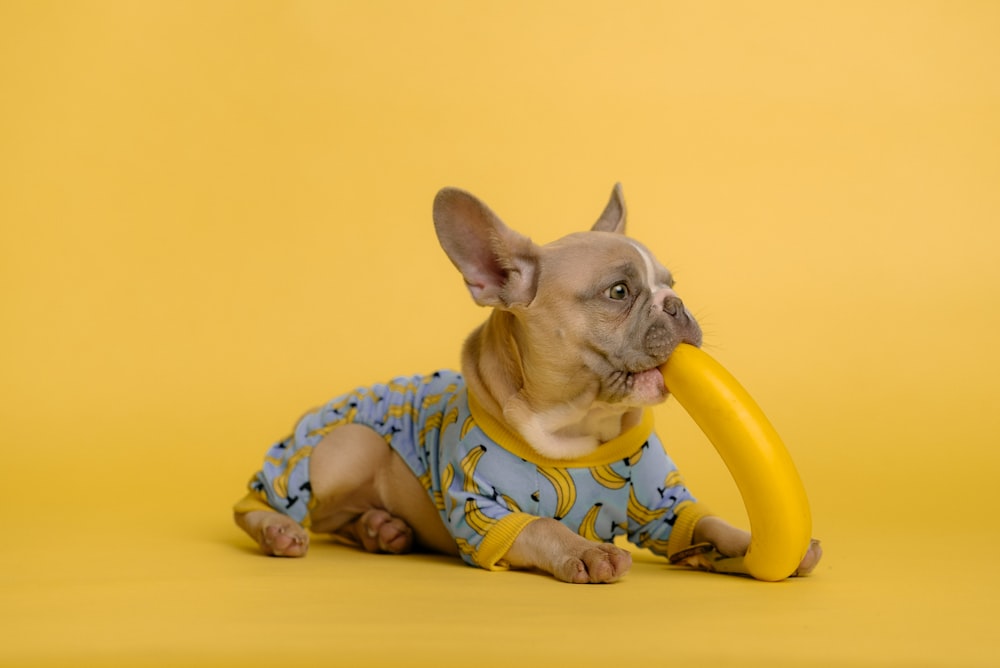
x: 775, y: 500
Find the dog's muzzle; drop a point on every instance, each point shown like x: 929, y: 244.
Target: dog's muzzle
x: 673, y: 306
x: 685, y: 324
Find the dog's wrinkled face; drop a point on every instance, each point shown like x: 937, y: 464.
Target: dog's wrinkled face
x: 604, y: 299
x: 579, y: 326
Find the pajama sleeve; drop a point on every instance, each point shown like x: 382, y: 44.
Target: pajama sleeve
x: 484, y: 522
x: 662, y: 512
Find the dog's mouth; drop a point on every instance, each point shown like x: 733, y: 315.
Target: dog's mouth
x: 652, y: 375
x: 641, y: 388
x: 645, y: 386
x: 639, y: 382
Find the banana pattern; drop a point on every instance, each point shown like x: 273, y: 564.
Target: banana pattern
x: 658, y: 546
x: 477, y: 520
x: 606, y: 475
x: 511, y: 504
x: 451, y: 417
x: 480, y: 478
x: 468, y: 467
x: 467, y: 426
x: 564, y: 486
x: 640, y: 514
x: 433, y: 424
x: 447, y: 476
x: 588, y: 527
x: 467, y: 550
x: 633, y: 459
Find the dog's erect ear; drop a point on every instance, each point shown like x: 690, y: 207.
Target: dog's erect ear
x: 613, y: 218
x: 499, y: 265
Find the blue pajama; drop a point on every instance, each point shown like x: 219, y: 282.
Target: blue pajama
x: 486, y: 482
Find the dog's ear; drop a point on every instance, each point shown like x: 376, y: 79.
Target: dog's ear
x: 499, y: 265
x: 613, y: 218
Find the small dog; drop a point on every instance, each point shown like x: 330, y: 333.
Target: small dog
x: 541, y: 451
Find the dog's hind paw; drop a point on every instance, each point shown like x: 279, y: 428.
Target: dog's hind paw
x: 379, y: 531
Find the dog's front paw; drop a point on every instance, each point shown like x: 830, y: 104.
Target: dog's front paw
x: 707, y: 557
x: 809, y: 562
x: 277, y: 535
x: 598, y: 563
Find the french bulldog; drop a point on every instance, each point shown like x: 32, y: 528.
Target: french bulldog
x: 540, y: 451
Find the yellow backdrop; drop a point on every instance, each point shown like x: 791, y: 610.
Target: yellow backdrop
x: 216, y: 214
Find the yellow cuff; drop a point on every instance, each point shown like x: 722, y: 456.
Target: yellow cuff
x: 683, y: 532
x: 249, y: 503
x: 499, y: 539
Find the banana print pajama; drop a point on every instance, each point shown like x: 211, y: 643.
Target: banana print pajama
x: 486, y: 482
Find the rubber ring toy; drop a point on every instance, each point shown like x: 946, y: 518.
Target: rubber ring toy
x: 768, y: 482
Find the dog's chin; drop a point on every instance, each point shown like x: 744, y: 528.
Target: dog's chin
x: 635, y: 388
x: 648, y: 388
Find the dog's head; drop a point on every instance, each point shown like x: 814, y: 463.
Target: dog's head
x: 583, y: 321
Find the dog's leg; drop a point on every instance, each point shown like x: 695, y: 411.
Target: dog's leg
x: 727, y: 539
x: 733, y: 542
x: 550, y: 546
x: 276, y: 534
x: 363, y: 493
x: 367, y: 495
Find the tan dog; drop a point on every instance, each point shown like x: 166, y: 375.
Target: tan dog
x: 541, y: 452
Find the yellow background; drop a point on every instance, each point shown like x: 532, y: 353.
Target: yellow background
x: 216, y: 214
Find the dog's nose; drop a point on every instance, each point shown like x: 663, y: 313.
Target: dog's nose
x: 673, y: 305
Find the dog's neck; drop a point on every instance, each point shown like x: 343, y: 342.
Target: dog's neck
x: 550, y: 403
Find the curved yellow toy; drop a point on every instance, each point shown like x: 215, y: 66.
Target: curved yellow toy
x: 775, y: 500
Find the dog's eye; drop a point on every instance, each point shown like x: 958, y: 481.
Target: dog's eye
x: 618, y: 292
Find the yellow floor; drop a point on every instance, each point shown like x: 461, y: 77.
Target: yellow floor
x: 216, y: 214
x: 154, y: 582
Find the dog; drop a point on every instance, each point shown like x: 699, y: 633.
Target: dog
x: 540, y: 451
